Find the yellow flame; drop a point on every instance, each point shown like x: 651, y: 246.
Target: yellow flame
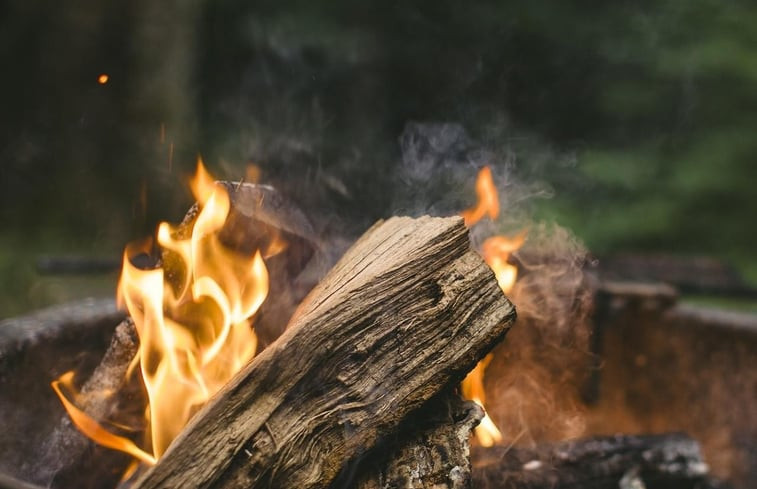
x: 202, y: 184
x: 473, y: 388
x: 192, y: 316
x: 496, y: 251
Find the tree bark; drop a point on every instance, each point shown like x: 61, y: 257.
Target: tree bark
x: 408, y: 310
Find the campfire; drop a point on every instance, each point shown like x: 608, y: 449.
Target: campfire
x: 192, y: 313
x: 231, y: 370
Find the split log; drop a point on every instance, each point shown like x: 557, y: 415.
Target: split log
x: 430, y: 450
x: 407, y: 311
x: 623, y: 461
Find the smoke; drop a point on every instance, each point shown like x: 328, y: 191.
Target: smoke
x: 534, y: 381
x: 535, y: 378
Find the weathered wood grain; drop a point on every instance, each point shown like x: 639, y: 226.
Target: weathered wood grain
x: 407, y: 311
x: 430, y: 450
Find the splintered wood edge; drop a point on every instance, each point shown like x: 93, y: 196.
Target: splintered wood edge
x: 407, y: 310
x: 431, y: 449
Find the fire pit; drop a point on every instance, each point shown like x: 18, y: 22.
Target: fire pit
x: 395, y: 182
x: 363, y: 388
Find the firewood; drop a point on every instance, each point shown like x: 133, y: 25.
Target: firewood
x: 431, y: 450
x: 260, y: 215
x: 68, y: 458
x: 651, y: 461
x: 408, y: 310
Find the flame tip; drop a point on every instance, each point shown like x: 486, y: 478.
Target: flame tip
x: 194, y: 329
x: 496, y: 251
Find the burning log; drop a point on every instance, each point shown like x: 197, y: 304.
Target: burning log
x: 430, y: 451
x: 260, y: 218
x: 408, y: 311
x: 651, y: 461
x: 107, y: 393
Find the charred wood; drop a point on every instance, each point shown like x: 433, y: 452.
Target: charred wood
x: 71, y: 459
x: 670, y: 461
x: 430, y: 450
x: 408, y: 310
x: 262, y: 219
x: 34, y: 350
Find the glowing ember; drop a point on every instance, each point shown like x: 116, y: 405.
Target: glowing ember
x: 103, y: 79
x: 193, y: 320
x: 496, y: 250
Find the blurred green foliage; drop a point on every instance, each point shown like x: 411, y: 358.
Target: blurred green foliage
x: 649, y: 110
x: 670, y: 164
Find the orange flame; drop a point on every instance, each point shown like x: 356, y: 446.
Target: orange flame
x: 496, y: 250
x: 473, y: 388
x: 192, y: 317
x: 488, y: 202
x: 92, y: 428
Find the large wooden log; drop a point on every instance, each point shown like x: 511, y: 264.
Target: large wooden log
x: 407, y: 311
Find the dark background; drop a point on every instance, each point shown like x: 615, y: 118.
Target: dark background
x: 632, y: 123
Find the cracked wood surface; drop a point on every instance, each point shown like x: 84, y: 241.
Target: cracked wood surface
x: 409, y: 309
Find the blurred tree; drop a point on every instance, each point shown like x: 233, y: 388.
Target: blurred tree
x: 639, y: 114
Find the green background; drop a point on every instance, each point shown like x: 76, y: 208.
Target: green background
x: 637, y: 119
